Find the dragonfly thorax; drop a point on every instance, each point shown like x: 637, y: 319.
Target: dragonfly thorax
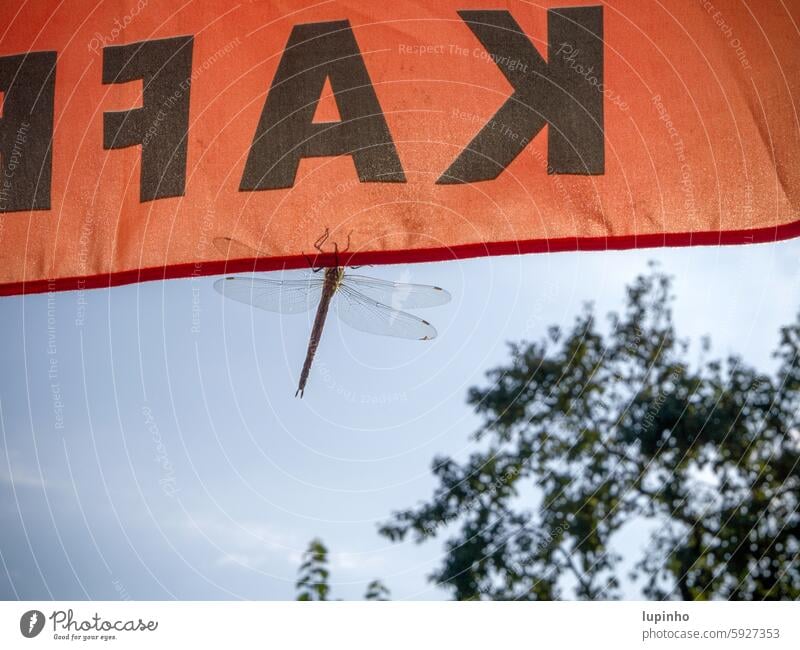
x: 334, y: 275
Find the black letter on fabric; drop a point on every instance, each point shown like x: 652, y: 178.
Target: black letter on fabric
x: 565, y: 93
x: 286, y: 131
x: 161, y: 124
x: 27, y: 84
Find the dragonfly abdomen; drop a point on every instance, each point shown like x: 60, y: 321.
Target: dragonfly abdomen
x: 332, y: 276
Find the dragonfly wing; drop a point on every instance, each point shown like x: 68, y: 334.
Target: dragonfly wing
x: 293, y: 296
x: 367, y: 315
x: 398, y: 295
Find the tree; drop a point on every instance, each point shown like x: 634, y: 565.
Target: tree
x: 313, y: 575
x: 585, y: 432
x: 376, y: 590
x: 312, y: 581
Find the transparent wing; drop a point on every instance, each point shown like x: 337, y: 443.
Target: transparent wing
x: 286, y: 296
x: 367, y: 315
x: 398, y: 295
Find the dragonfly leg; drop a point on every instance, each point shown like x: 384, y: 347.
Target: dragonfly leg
x: 314, y: 269
x: 318, y: 244
x: 336, y: 250
x: 346, y: 249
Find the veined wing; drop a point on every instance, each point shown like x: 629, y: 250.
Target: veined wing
x: 367, y: 315
x: 292, y: 296
x: 398, y: 295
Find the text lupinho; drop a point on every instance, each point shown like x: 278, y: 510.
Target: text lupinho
x: 664, y: 617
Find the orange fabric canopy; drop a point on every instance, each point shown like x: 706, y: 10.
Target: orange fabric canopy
x: 134, y: 133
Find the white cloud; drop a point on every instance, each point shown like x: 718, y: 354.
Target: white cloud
x: 255, y: 545
x: 354, y: 561
x: 245, y: 544
x: 23, y: 478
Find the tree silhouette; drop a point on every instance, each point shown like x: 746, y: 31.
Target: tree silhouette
x: 588, y: 431
x: 312, y: 581
x: 376, y: 590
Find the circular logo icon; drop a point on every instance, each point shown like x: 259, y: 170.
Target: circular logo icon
x: 31, y: 623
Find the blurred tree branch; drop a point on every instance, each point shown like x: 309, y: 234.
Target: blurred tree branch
x: 588, y: 431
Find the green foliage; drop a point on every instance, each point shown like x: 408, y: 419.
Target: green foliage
x: 586, y: 432
x: 376, y: 590
x: 313, y: 576
x: 312, y: 582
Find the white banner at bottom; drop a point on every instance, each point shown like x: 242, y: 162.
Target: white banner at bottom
x: 401, y: 625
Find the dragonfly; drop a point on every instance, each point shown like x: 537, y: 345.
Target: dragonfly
x: 366, y: 304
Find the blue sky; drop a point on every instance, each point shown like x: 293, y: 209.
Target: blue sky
x: 152, y: 446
